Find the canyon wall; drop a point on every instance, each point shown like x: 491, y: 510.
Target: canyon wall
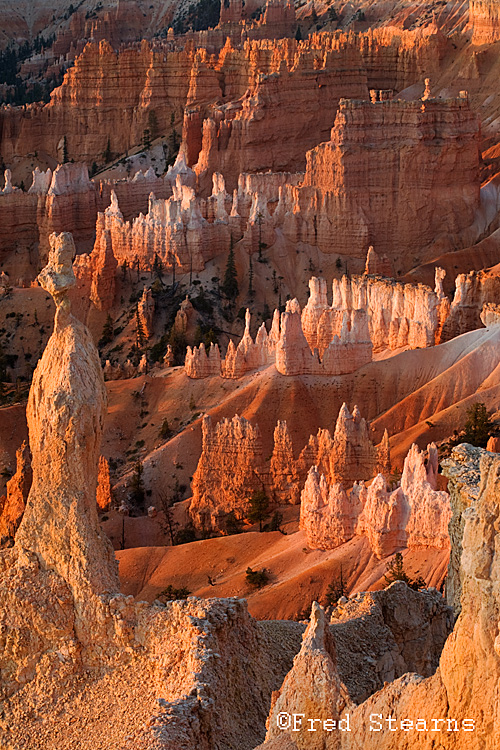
x: 385, y: 162
x: 484, y: 19
x: 259, y: 81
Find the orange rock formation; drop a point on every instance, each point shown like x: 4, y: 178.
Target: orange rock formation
x: 18, y: 488
x: 415, y: 515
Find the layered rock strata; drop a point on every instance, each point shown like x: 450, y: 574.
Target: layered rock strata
x: 228, y: 471
x: 415, y: 515
x: 123, y: 88
x: 484, y: 19
x: 349, y: 455
x: 472, y: 291
x: 429, y: 150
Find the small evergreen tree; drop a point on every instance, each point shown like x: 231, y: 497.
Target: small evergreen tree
x: 251, y: 290
x: 336, y: 589
x: 107, y: 151
x: 298, y: 34
x: 146, y: 139
x: 258, y: 509
x: 153, y: 124
x: 478, y: 426
x: 107, y: 332
x: 65, y: 150
x: 137, y: 494
x: 230, y: 284
x: 165, y: 431
x: 139, y: 330
x: 171, y: 594
x: 396, y: 572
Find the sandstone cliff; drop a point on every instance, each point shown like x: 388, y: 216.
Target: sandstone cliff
x: 383, y: 144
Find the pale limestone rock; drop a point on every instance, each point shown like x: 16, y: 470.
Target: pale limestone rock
x: 328, y: 515
x: 414, y: 515
x: 353, y: 454
x: 469, y: 667
x: 198, y: 364
x: 384, y: 518
x: 312, y: 312
x: 104, y: 265
x: 490, y: 314
x: 473, y: 291
x: 8, y: 187
x: 185, y: 319
x: 312, y: 688
x: 284, y: 474
x: 430, y: 510
x: 168, y: 359
x: 41, y: 182
x: 65, y: 413
x: 376, y: 265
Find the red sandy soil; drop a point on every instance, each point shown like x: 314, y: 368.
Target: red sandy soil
x: 297, y: 575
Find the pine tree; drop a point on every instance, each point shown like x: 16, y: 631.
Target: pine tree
x: 396, y: 572
x: 258, y: 507
x: 137, y: 494
x: 107, y: 332
x: 107, y: 152
x: 478, y: 426
x: 251, y: 290
x: 153, y: 124
x: 65, y: 150
x: 146, y: 139
x: 336, y: 589
x: 230, y: 284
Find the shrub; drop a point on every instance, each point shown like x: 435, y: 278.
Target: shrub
x: 478, y: 426
x: 185, y: 535
x: 171, y: 594
x: 165, y: 431
x: 257, y: 578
